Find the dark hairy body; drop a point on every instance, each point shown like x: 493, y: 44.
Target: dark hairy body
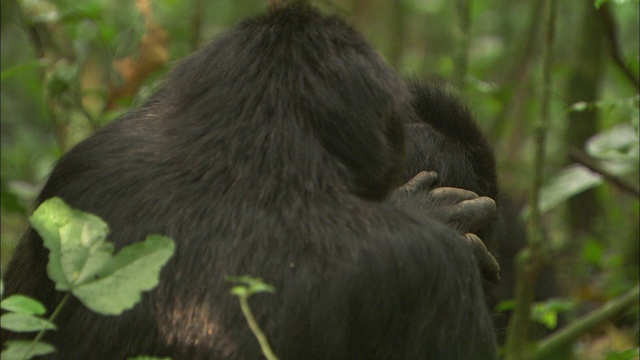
x: 269, y: 153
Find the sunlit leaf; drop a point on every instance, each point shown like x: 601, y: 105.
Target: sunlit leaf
x: 617, y: 143
x: 25, y: 349
x: 249, y: 286
x: 23, y: 305
x: 81, y: 259
x: 24, y: 323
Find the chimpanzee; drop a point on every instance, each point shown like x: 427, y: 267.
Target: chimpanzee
x: 270, y: 152
x: 445, y: 138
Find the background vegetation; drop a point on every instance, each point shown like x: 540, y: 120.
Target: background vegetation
x: 69, y: 67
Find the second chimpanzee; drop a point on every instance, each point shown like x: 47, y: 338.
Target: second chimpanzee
x: 445, y: 138
x: 270, y: 153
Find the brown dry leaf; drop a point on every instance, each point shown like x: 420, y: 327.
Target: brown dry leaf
x: 152, y: 57
x: 144, y: 6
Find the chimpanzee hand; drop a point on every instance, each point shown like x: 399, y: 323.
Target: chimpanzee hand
x: 460, y: 209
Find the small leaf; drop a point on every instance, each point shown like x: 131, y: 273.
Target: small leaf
x: 593, y: 252
x: 251, y: 285
x: 24, y: 323
x: 579, y: 106
x: 240, y: 291
x: 23, y: 305
x: 505, y: 305
x: 546, y: 312
x: 19, y: 349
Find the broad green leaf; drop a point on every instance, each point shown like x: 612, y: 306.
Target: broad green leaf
x: 617, y: 143
x: 24, y: 323
x: 16, y: 350
x: 23, y: 305
x: 120, y: 283
x: 81, y: 259
x: 569, y: 182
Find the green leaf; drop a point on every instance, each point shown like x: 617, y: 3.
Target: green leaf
x: 593, y: 252
x: 629, y: 354
x: 249, y: 286
x: 547, y: 318
x: 505, y: 305
x: 579, y: 106
x: 569, y: 182
x: 80, y: 258
x: 119, y: 285
x: 24, y: 323
x: 546, y: 312
x: 619, y: 143
x: 21, y: 68
x: 76, y: 241
x: 19, y: 349
x: 23, y: 305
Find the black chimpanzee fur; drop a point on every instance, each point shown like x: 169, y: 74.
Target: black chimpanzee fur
x: 268, y: 153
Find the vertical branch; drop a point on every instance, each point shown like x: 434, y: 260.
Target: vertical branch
x: 542, y: 124
x: 197, y: 15
x: 585, y: 79
x: 530, y: 260
x: 461, y: 59
x: 397, y: 33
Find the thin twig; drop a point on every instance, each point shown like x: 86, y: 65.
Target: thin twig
x: 614, y: 48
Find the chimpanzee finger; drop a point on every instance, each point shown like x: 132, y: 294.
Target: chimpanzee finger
x: 478, y: 211
x: 470, y: 215
x: 422, y: 180
x: 489, y: 267
x: 451, y: 195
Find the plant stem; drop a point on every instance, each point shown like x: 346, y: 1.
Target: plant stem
x: 50, y: 320
x: 253, y: 324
